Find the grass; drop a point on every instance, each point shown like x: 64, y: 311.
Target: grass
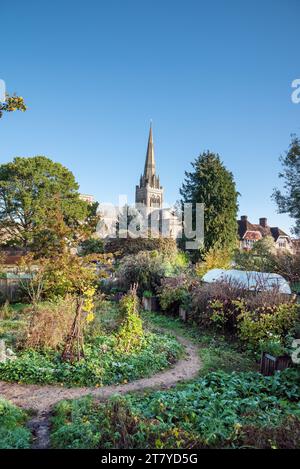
x: 296, y: 287
x: 13, y: 431
x: 216, y: 352
x: 19, y: 307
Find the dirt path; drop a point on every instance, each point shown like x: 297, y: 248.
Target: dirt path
x: 42, y: 398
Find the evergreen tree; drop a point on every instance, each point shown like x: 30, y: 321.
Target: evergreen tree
x: 213, y: 185
x: 288, y: 201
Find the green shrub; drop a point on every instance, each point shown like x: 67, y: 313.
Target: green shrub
x: 272, y: 345
x: 255, y: 326
x: 127, y: 246
x: 58, y: 276
x: 215, y: 258
x: 213, y: 304
x: 261, y: 258
x: 251, y: 316
x: 146, y: 269
x: 91, y: 246
x: 174, y: 292
x: 13, y: 432
x: 6, y: 311
x: 131, y: 333
x: 147, y: 294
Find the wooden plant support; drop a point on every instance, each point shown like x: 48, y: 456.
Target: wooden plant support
x: 74, y: 346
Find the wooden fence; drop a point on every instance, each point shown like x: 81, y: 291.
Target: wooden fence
x: 10, y: 286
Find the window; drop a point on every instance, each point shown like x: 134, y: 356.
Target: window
x: 282, y: 243
x: 248, y: 243
x: 155, y: 201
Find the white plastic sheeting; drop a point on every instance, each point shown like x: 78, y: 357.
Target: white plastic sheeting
x: 249, y: 280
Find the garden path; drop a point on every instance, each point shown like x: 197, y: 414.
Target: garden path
x: 42, y: 398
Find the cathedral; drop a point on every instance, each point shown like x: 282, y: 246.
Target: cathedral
x: 149, y: 192
x: 149, y: 209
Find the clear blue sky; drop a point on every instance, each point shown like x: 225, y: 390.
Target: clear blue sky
x: 211, y: 74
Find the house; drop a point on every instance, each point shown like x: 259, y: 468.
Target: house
x: 87, y: 198
x: 249, y: 233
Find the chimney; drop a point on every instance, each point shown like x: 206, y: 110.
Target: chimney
x: 263, y: 222
x: 244, y: 218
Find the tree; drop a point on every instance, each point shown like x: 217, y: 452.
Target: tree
x: 40, y: 206
x: 215, y: 258
x: 288, y: 201
x: 91, y: 246
x: 12, y: 103
x: 63, y: 276
x: 212, y: 184
x: 261, y: 258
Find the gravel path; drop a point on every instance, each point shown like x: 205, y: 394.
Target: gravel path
x: 42, y: 398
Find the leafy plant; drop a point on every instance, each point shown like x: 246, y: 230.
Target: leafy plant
x: 215, y: 258
x: 11, y: 104
x: 174, y: 292
x: 127, y: 246
x: 91, y: 246
x: 146, y: 269
x: 261, y: 258
x: 13, y: 431
x: 104, y: 362
x: 58, y: 276
x: 131, y: 333
x: 254, y: 326
x: 272, y: 345
x: 214, y: 411
x: 147, y: 294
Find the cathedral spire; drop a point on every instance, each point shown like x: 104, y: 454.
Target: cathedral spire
x: 149, y: 193
x: 149, y: 170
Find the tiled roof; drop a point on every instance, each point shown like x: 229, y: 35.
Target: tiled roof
x: 245, y: 225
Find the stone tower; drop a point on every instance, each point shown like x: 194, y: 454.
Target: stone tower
x: 149, y: 192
